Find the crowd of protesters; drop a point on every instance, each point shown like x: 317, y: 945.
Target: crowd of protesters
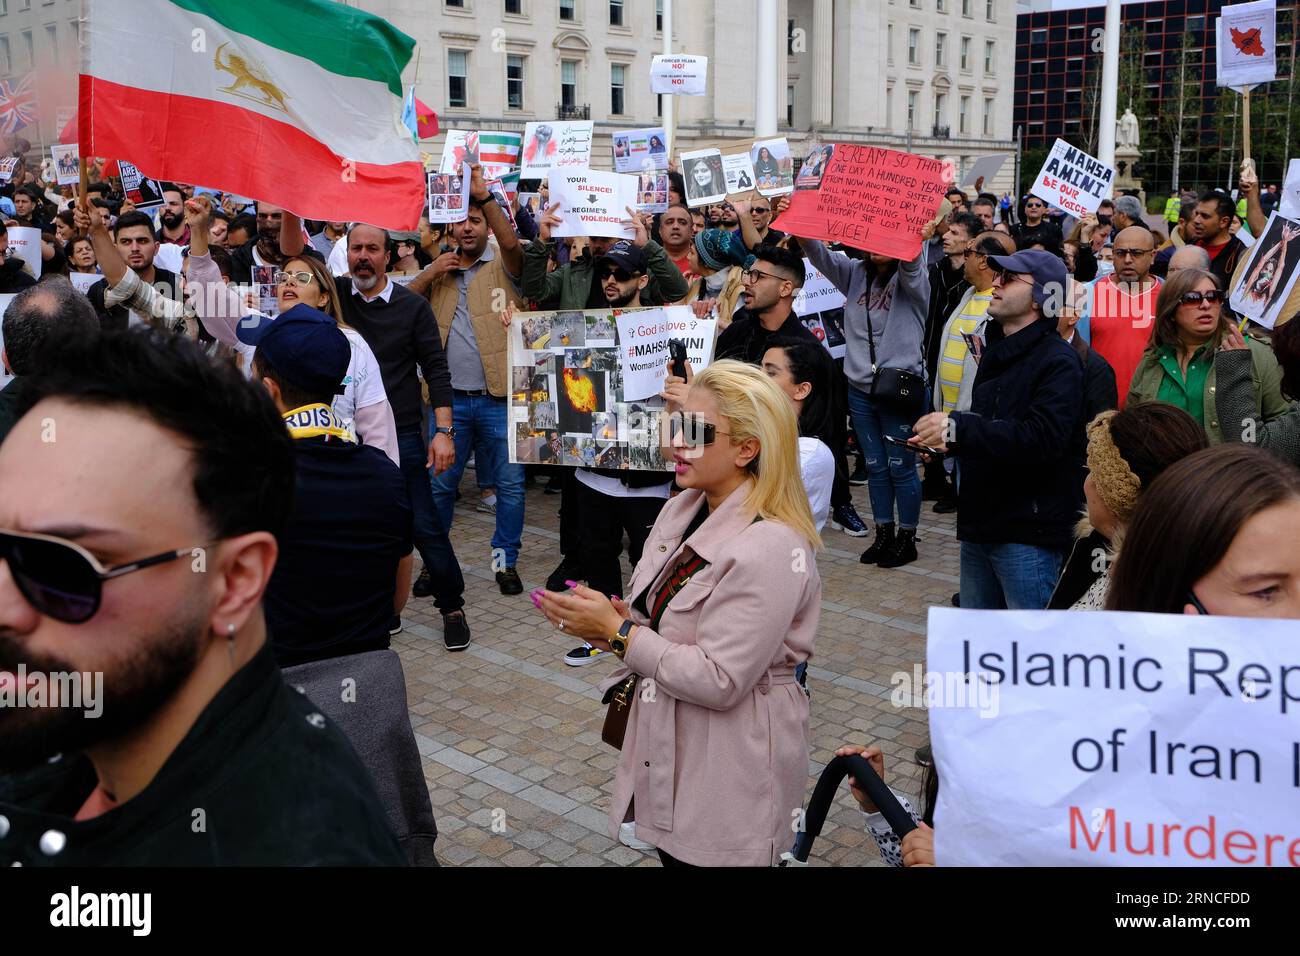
x: 1067, y: 389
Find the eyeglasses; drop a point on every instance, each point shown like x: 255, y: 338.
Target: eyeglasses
x: 61, y: 579
x: 1002, y: 277
x: 301, y: 278
x: 695, y: 430
x: 758, y: 211
x: 1214, y: 296
x: 1132, y: 253
x: 620, y: 275
x: 1034, y: 205
x: 753, y: 275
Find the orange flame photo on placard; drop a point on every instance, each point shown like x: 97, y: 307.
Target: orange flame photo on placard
x: 582, y: 394
x: 580, y: 390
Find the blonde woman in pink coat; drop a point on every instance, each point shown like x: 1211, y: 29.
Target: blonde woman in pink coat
x: 714, y: 764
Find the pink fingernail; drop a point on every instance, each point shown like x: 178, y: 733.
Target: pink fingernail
x: 572, y: 584
x: 618, y: 597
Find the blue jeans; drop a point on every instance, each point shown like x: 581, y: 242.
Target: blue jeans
x: 430, y: 533
x: 891, y: 471
x: 1019, y: 577
x: 481, y: 423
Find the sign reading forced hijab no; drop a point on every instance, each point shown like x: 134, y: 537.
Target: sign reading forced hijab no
x: 866, y: 197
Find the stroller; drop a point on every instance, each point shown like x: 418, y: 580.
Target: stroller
x: 824, y: 795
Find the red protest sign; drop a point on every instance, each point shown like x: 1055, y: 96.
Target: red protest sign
x: 868, y: 197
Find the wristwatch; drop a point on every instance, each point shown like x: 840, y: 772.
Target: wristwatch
x: 444, y: 430
x: 618, y: 643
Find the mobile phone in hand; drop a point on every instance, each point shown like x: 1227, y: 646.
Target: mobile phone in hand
x: 910, y: 447
x: 677, y: 358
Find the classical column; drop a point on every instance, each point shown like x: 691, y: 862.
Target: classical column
x: 822, y: 61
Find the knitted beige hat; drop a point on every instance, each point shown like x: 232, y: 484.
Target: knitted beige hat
x: 1114, y: 479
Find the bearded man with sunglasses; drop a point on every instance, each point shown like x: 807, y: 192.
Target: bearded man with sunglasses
x: 145, y: 487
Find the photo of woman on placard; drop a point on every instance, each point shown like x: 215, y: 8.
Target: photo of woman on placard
x: 704, y: 179
x: 765, y: 168
x: 814, y: 167
x: 657, y: 145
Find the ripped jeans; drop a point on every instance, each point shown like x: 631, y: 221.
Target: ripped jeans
x: 891, y: 471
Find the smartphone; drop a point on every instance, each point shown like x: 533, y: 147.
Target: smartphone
x: 677, y: 357
x: 912, y: 448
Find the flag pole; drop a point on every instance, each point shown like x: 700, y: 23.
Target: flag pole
x: 83, y: 190
x: 1245, y: 125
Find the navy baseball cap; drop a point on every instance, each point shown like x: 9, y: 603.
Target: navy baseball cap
x: 304, y: 345
x: 626, y: 256
x: 1047, y: 269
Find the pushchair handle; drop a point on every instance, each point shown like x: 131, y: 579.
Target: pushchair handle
x: 824, y: 795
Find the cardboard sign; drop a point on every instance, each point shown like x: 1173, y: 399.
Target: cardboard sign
x: 1246, y: 36
x: 1289, y: 202
x: 986, y: 167
x: 739, y: 173
x: 8, y: 166
x: 817, y: 294
x: 449, y: 196
x: 652, y: 192
x: 773, y: 166
x: 705, y: 180
x: 640, y: 150
x: 593, y: 203
x: 1265, y: 283
x: 569, y: 403
x: 143, y: 192
x: 25, y: 244
x: 556, y: 145
x: 1072, y: 180
x: 67, y: 164
x: 679, y: 75
x: 1111, y: 739
x: 868, y: 197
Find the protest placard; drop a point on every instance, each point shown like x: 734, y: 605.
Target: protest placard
x: 7, y: 167
x: 593, y: 203
x: 145, y: 193
x: 985, y: 168
x: 568, y: 401
x: 739, y: 173
x: 1265, y: 283
x: 817, y: 293
x: 773, y: 166
x: 25, y: 244
x: 1246, y: 35
x: 705, y: 181
x: 82, y: 281
x: 869, y: 198
x: 556, y: 145
x: 449, y: 196
x: 1289, y: 204
x: 5, y: 376
x: 263, y: 290
x: 652, y: 192
x: 827, y: 331
x: 1115, y: 739
x: 640, y: 150
x: 1072, y: 180
x: 679, y: 75
x: 67, y: 164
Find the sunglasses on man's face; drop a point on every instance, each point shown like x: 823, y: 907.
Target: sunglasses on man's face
x: 620, y: 275
x: 61, y: 579
x: 695, y: 431
x: 1214, y: 297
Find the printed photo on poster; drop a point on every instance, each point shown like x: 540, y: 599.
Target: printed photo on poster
x: 556, y: 145
x: 652, y: 192
x: 1265, y: 284
x: 773, y: 166
x: 705, y: 181
x: 640, y: 150
x: 449, y: 196
x: 67, y: 164
x: 739, y: 173
x: 814, y: 167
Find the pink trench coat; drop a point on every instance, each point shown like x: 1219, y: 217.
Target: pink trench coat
x: 718, y: 760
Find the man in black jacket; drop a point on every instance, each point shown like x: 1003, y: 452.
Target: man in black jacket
x: 175, y: 741
x: 1019, y: 448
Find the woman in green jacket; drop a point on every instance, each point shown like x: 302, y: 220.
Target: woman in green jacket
x: 1178, y: 365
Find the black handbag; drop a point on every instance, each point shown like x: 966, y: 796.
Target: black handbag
x: 893, y: 387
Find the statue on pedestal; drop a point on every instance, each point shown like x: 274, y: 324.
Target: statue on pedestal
x: 1126, y: 130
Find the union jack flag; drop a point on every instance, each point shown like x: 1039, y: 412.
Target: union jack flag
x: 17, y: 104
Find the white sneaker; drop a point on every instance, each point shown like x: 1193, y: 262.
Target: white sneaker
x: 487, y: 506
x: 627, y: 836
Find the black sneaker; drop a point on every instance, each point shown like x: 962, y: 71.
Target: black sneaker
x: 881, y: 546
x: 859, y: 476
x: 582, y: 656
x: 455, y: 631
x: 569, y: 570
x: 903, y: 552
x: 945, y: 505
x: 553, y: 486
x: 395, y: 626
x: 955, y: 600
x: 845, y: 518
x: 423, y: 586
x: 509, y: 583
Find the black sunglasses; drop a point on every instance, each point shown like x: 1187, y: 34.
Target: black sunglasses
x: 697, y: 431
x: 61, y: 579
x: 620, y: 275
x: 1214, y: 296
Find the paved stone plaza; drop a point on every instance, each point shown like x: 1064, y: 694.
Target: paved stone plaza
x: 511, y: 735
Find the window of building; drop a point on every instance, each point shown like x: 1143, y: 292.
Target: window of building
x: 1195, y: 24
x: 659, y: 16
x: 889, y: 107
x: 914, y: 4
x: 457, y: 78
x: 990, y: 10
x: 941, y: 50
x: 941, y: 6
x: 889, y: 44
x: 965, y: 54
x: 515, y: 7
x: 789, y: 106
x: 963, y: 116
x: 52, y: 35
x: 1037, y: 97
x: 514, y: 82
x: 1037, y: 67
x: 29, y: 48
x: 615, y: 13
x: 789, y: 38
x: 1076, y: 32
x: 940, y: 108
x: 965, y: 8
x: 455, y: 3
x: 988, y: 56
x: 988, y: 116
x: 617, y: 86
x: 6, y: 66
x: 567, y: 11
x: 1037, y: 37
x: 911, y: 109
x: 568, y: 83
x: 913, y: 47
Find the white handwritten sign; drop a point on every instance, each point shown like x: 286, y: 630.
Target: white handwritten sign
x: 679, y: 75
x: 1072, y: 180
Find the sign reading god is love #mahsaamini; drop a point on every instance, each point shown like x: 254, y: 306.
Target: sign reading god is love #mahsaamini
x: 1116, y: 739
